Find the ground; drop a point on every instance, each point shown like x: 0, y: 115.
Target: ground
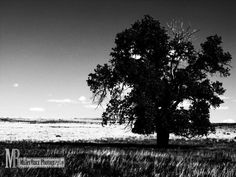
x: 196, y: 158
x: 118, y: 153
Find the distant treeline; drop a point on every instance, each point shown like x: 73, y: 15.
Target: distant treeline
x: 75, y: 120
x: 224, y: 124
x: 79, y: 120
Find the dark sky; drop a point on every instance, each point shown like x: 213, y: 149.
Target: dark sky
x: 48, y: 48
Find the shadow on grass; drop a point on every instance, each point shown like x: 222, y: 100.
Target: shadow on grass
x: 25, y: 144
x: 125, y: 145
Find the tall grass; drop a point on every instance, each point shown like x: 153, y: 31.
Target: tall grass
x: 217, y: 160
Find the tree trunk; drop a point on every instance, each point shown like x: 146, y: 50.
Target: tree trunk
x: 162, y: 137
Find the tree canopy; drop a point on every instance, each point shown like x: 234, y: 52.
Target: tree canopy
x: 151, y: 73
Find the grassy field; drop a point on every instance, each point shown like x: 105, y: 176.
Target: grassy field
x: 194, y: 158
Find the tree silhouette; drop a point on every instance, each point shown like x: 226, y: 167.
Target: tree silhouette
x: 152, y: 73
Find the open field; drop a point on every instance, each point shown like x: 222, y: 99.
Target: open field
x: 92, y: 131
x: 93, y: 150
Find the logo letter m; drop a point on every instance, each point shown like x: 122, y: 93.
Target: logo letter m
x: 12, y: 158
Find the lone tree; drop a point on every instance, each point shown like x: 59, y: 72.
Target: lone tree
x: 152, y: 73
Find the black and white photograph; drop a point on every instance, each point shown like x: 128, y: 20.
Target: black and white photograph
x: 135, y: 88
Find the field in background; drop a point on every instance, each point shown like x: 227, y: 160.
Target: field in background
x: 86, y: 130
x: 92, y: 150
